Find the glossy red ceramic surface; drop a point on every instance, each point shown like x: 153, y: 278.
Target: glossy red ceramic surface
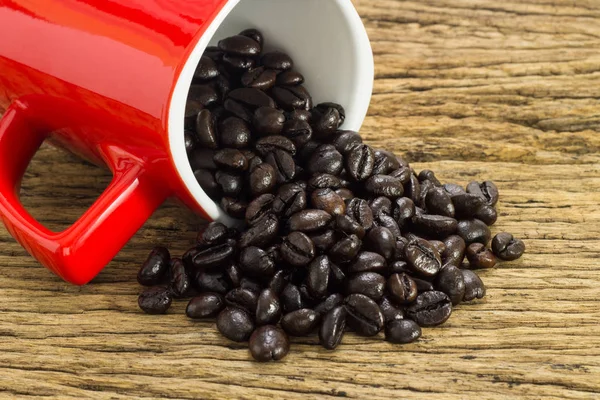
x: 95, y: 77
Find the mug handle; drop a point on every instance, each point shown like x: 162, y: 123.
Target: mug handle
x: 80, y: 252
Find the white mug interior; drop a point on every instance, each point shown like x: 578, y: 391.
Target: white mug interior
x: 329, y: 46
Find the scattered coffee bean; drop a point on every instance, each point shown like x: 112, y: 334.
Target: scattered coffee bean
x: 155, y: 300
x: 430, y: 309
x: 205, y: 305
x: 402, y: 331
x: 486, y: 190
x: 235, y: 324
x: 480, y: 256
x: 154, y: 270
x: 301, y: 322
x: 507, y: 247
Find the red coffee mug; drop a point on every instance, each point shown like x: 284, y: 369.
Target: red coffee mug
x: 108, y: 80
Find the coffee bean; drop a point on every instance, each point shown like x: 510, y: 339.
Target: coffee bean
x: 251, y: 285
x: 430, y: 309
x: 310, y: 220
x: 370, y: 284
x: 450, y: 281
x: 385, y: 221
x: 438, y: 245
x: 237, y: 64
x: 279, y: 281
x: 385, y: 162
x: 205, y: 94
x: 345, y: 141
x: 438, y: 201
x: 268, y: 121
x: 272, y: 143
x: 324, y: 181
x: 399, y: 267
x: 180, y: 281
x: 207, y: 69
x: 326, y: 160
x: 242, y: 298
x: 331, y: 302
x: 214, y: 234
x: 240, y: 46
x: 383, y: 185
x: 423, y: 285
x: 487, y: 214
x: 214, y: 256
x: 329, y: 201
x: 262, y: 180
x: 283, y: 164
x: 318, y: 277
x: 269, y: 343
x: 290, y: 78
x: 291, y: 299
x: 423, y: 258
x: 301, y: 322
x: 259, y: 78
x: 367, y: 261
x: 381, y: 205
x: 346, y: 224
x: 486, y: 190
x: 474, y: 287
x: 234, y: 207
x: 212, y: 281
x: 256, y: 262
x: 426, y: 186
x: 229, y: 183
x: 297, y: 249
x: 323, y: 240
x: 239, y: 110
x: 190, y: 141
x: 214, y: 53
x: 455, y: 250
x: 402, y: 331
x: 453, y: 189
x: 436, y: 226
x: 234, y: 274
x: 298, y: 131
x: 255, y: 35
x: 359, y: 210
x: 364, y: 315
x: 205, y: 305
x: 507, y: 247
x: 345, y: 194
x: 480, y: 256
x: 473, y: 230
x: 326, y: 121
x: 235, y: 133
x: 291, y: 98
x: 155, y: 300
x: 403, y: 174
x: 290, y: 199
x: 268, y: 308
x: 332, y: 327
x: 345, y: 250
x: 300, y: 115
x: 429, y: 175
x: 252, y: 97
x: 467, y: 205
x: 404, y: 210
x: 259, y: 207
x: 155, y: 268
x: 232, y: 159
x: 277, y: 60
x: 389, y: 310
x: 261, y: 233
x: 205, y: 127
x: 381, y: 240
x: 412, y: 189
x: 360, y: 162
x: 203, y: 159
x: 235, y: 324
x: 401, y: 288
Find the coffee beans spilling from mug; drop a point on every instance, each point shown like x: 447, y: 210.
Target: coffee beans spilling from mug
x: 338, y: 235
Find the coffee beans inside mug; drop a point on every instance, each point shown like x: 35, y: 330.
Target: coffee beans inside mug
x: 337, y: 234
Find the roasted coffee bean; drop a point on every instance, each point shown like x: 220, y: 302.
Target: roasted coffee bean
x: 298, y: 131
x: 371, y: 284
x: 430, y: 309
x: 255, y: 35
x: 181, y: 283
x: 232, y: 159
x: 214, y: 256
x: 367, y: 261
x: 347, y: 225
x: 389, y: 310
x: 345, y: 141
x: 331, y: 302
x: 381, y: 205
x: 507, y: 247
x: 268, y: 308
x: 326, y: 160
x: 403, y: 174
x: 256, y: 262
x: 251, y: 97
x: 268, y: 121
x: 480, y: 257
x: 363, y: 315
x: 262, y: 179
x: 423, y: 258
x: 297, y: 249
x: 261, y: 233
x: 309, y: 220
x: 317, y: 280
x: 230, y: 184
x: 251, y: 285
x: 290, y: 199
x: 223, y: 87
x: 360, y: 162
x: 259, y: 207
x: 386, y: 221
x: 412, y: 189
x: 235, y: 324
x: 205, y: 305
x: 269, y: 144
x: 192, y: 109
x: 337, y: 278
x: 439, y: 202
x: 291, y: 299
x: 455, y: 250
x: 154, y: 270
x: 438, y: 245
x: 359, y: 210
x: 207, y: 69
x: 239, y: 110
x: 381, y: 240
x: 301, y: 322
x: 234, y: 274
x: 402, y: 331
x: 234, y: 207
x: 205, y: 128
x: 242, y: 298
x: 384, y: 185
x: 301, y: 115
x: 404, y: 210
x: 279, y: 281
x: 329, y: 201
x: 214, y: 53
x: 486, y: 190
x: 453, y: 189
x: 385, y: 162
x: 341, y: 111
x: 269, y: 343
x: 259, y: 78
x: 345, y: 194
x: 429, y: 175
x: 202, y: 159
x: 326, y: 121
x: 240, y: 45
x: 401, y: 288
x: 323, y: 240
x: 474, y: 230
x: 399, y: 267
x: 324, y: 181
x: 212, y: 281
x: 474, y: 287
x: 345, y: 250
x: 401, y: 243
x: 277, y: 60
x: 283, y: 164
x: 290, y: 78
x: 487, y: 214
x: 332, y: 327
x: 235, y: 133
x: 205, y: 94
x: 190, y: 141
x: 274, y: 252
x: 450, y: 281
x: 237, y: 64
x: 155, y: 300
x: 436, y: 226
x: 423, y: 285
x: 426, y: 186
x: 467, y: 205
x: 291, y: 98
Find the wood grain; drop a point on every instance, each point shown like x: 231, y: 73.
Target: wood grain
x: 473, y: 89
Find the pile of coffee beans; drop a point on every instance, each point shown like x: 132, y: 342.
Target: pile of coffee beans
x: 339, y: 236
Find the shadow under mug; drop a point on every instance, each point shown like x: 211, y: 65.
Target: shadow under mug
x: 108, y: 81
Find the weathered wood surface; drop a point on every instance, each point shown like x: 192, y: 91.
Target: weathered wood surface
x: 473, y: 89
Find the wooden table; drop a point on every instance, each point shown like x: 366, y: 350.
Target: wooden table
x: 473, y: 89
